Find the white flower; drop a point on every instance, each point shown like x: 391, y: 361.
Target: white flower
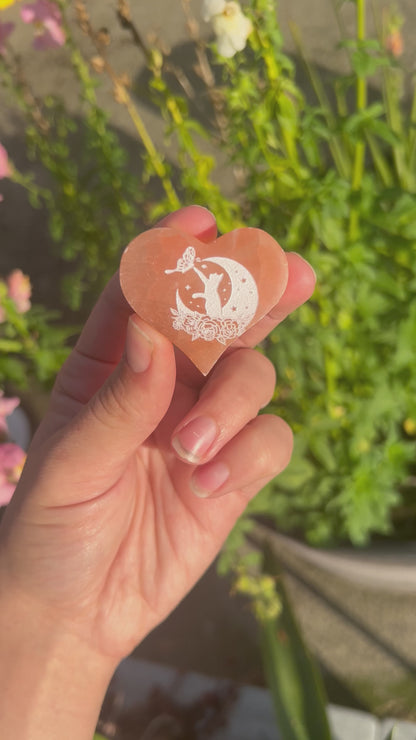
x: 231, y: 26
x: 211, y: 8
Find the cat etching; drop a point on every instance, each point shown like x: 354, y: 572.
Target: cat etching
x: 225, y: 317
x: 211, y: 296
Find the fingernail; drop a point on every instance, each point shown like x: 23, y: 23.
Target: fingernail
x: 209, y: 478
x: 195, y: 439
x: 138, y: 348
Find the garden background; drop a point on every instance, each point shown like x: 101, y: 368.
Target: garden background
x: 365, y: 643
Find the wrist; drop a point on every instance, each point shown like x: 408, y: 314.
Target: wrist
x: 52, y: 682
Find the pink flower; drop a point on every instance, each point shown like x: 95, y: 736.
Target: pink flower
x: 394, y: 43
x: 5, y: 31
x: 7, y: 406
x: 19, y: 290
x: 12, y: 459
x: 5, y: 170
x: 47, y: 20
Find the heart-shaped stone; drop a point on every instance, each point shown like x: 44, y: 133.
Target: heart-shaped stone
x: 203, y: 296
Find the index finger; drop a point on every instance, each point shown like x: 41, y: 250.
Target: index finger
x: 103, y: 336
x: 300, y: 286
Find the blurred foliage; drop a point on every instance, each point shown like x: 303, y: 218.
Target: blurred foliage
x: 33, y: 344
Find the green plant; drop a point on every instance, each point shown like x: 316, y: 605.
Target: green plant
x: 293, y: 677
x: 92, y: 198
x: 295, y: 682
x: 32, y: 342
x: 346, y: 388
x: 335, y: 182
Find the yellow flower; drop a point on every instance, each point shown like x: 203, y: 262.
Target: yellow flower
x: 6, y: 3
x: 410, y: 427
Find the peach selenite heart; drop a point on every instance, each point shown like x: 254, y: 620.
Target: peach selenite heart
x: 203, y: 296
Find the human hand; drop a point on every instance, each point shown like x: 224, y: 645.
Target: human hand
x: 105, y: 533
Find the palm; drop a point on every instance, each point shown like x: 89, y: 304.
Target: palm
x: 167, y: 540
x: 117, y: 538
x: 153, y: 536
x: 149, y: 537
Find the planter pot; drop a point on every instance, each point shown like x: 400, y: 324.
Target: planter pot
x: 20, y: 428
x: 389, y: 567
x: 244, y: 712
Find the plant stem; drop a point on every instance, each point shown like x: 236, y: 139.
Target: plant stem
x: 157, y: 162
x: 403, y: 165
x: 295, y: 682
x: 338, y: 152
x: 361, y: 102
x: 123, y: 97
x: 412, y: 134
x: 205, y: 72
x: 380, y: 162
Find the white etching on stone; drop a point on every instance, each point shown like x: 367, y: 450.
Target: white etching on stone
x: 223, y: 319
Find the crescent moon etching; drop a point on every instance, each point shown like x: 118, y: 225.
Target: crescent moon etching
x: 220, y: 321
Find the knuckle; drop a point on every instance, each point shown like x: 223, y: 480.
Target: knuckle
x: 257, y: 372
x: 277, y: 453
x: 261, y: 373
x: 287, y: 447
x: 269, y: 376
x: 112, y: 402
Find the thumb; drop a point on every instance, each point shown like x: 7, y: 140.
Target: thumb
x: 126, y: 409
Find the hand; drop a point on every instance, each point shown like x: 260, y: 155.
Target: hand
x: 140, y: 469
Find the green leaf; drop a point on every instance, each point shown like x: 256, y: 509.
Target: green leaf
x: 405, y: 354
x: 10, y: 345
x: 365, y: 65
x: 297, y: 473
x: 293, y: 678
x: 13, y: 370
x: 322, y: 451
x: 384, y: 132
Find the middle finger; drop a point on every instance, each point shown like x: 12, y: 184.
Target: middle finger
x: 300, y: 286
x: 240, y: 384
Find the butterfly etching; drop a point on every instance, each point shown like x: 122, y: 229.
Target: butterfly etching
x: 184, y: 263
x: 220, y: 321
